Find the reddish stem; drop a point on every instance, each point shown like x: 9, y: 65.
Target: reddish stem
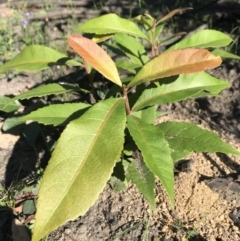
x: 126, y: 100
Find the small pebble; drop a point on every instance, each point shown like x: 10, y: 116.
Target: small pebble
x: 67, y: 230
x: 235, y: 228
x: 165, y: 228
x: 221, y: 218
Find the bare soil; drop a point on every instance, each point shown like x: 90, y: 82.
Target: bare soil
x: 207, y: 186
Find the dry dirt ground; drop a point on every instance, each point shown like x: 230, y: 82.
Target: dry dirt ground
x: 207, y: 186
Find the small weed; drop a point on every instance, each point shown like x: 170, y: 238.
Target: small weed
x: 127, y: 230
x: 234, y: 46
x: 97, y: 5
x: 6, y: 197
x: 20, y: 197
x: 187, y: 233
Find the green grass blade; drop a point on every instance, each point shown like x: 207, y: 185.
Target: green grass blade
x: 81, y: 164
x: 122, y: 233
x: 155, y: 151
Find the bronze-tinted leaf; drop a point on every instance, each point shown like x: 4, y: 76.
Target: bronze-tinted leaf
x: 96, y: 56
x: 182, y: 61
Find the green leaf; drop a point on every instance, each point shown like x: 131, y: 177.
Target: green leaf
x: 31, y: 132
x: 178, y: 155
x: 204, y: 39
x: 10, y: 123
x: 225, y: 54
x: 37, y: 57
x: 147, y: 114
x: 111, y: 23
x: 14, y: 105
x: 98, y: 38
x: 179, y: 88
x: 144, y: 19
x: 155, y: 151
x: 183, y: 136
x: 127, y: 65
x: 29, y: 207
x: 158, y: 31
x: 45, y: 90
x: 144, y: 180
x: 117, y: 184
x: 137, y: 53
x: 81, y: 165
x: 50, y: 89
x: 55, y: 114
x: 120, y: 176
x: 147, y: 22
x: 182, y: 61
x: 114, y: 91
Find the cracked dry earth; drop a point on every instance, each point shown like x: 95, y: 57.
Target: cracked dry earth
x: 207, y: 186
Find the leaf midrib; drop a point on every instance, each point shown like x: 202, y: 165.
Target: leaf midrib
x: 150, y: 147
x: 172, y: 69
x: 83, y: 162
x: 169, y: 92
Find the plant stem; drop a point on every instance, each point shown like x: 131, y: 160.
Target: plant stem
x: 93, y: 91
x: 154, y: 47
x: 91, y: 74
x: 126, y: 100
